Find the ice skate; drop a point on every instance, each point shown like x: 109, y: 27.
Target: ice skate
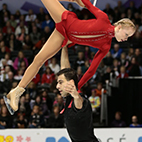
x: 12, y: 99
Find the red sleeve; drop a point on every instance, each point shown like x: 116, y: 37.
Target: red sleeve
x: 94, y: 10
x: 92, y: 69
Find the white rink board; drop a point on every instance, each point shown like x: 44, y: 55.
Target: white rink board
x: 60, y: 135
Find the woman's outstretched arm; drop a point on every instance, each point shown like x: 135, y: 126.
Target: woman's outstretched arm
x: 95, y: 63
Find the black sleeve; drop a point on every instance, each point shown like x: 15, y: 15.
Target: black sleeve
x: 85, y: 105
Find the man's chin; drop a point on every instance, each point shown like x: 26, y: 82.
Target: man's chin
x: 64, y: 94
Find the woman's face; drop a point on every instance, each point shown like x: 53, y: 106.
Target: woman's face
x: 122, y: 34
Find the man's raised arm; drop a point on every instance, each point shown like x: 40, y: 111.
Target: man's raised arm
x: 65, y: 58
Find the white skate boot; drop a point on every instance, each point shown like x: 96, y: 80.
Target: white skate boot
x: 12, y: 99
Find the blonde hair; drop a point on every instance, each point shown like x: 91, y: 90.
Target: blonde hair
x: 125, y: 22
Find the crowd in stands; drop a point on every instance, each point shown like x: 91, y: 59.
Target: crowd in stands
x: 21, y: 38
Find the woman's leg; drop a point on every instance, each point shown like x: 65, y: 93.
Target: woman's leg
x: 52, y: 46
x: 55, y: 9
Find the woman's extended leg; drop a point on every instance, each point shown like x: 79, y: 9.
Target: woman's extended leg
x: 55, y: 9
x: 52, y: 46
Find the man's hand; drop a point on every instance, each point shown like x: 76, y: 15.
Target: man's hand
x: 71, y: 89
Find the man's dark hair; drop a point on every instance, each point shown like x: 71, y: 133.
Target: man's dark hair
x: 69, y: 74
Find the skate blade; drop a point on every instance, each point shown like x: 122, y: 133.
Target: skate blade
x: 93, y: 2
x: 7, y: 102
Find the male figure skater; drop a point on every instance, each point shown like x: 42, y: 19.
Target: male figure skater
x: 77, y: 112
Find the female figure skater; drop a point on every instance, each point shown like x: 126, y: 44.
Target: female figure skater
x: 70, y: 30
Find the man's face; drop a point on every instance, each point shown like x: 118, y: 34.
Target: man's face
x: 61, y: 82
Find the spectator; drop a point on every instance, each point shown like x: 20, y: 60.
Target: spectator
x: 22, y: 35
x: 5, y: 119
x: 120, y: 7
x: 22, y: 20
x: 108, y: 60
x: 108, y: 10
x: 4, y: 48
x: 47, y: 32
x: 4, y: 75
x: 31, y: 89
x: 116, y: 16
x: 56, y: 120
x: 37, y: 101
x: 36, y: 119
x: 36, y: 79
x: 106, y: 76
x: 118, y: 122
x: 54, y: 65
x: 138, y: 56
x: 101, y: 70
x: 13, y: 43
x: 86, y: 66
x: 87, y: 52
x: 19, y: 59
x: 130, y: 54
x: 48, y: 76
x: 122, y: 73
x: 41, y: 15
x: 4, y: 9
x: 133, y: 69
x: 79, y: 73
x: 80, y: 61
x: 17, y: 15
x: 7, y: 27
x: 59, y: 102
x: 86, y: 89
x: 24, y: 107
x: 2, y: 12
x: 13, y: 21
x: 19, y: 28
x: 123, y: 60
x: 23, y: 65
x: 95, y: 102
x: 129, y: 14
x: 132, y: 7
x: 136, y: 40
x: 21, y: 122
x: 8, y: 60
x: 8, y: 82
x: 115, y: 68
x: 116, y: 52
x: 30, y: 16
x: 27, y: 43
x: 39, y: 44
x: 48, y: 22
x: 134, y: 122
x: 46, y: 102
x: 98, y: 90
x: 35, y: 35
x: 19, y: 75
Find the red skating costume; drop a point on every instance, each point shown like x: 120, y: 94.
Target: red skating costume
x: 99, y: 34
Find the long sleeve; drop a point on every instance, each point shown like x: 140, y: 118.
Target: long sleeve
x: 94, y: 10
x: 92, y: 69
